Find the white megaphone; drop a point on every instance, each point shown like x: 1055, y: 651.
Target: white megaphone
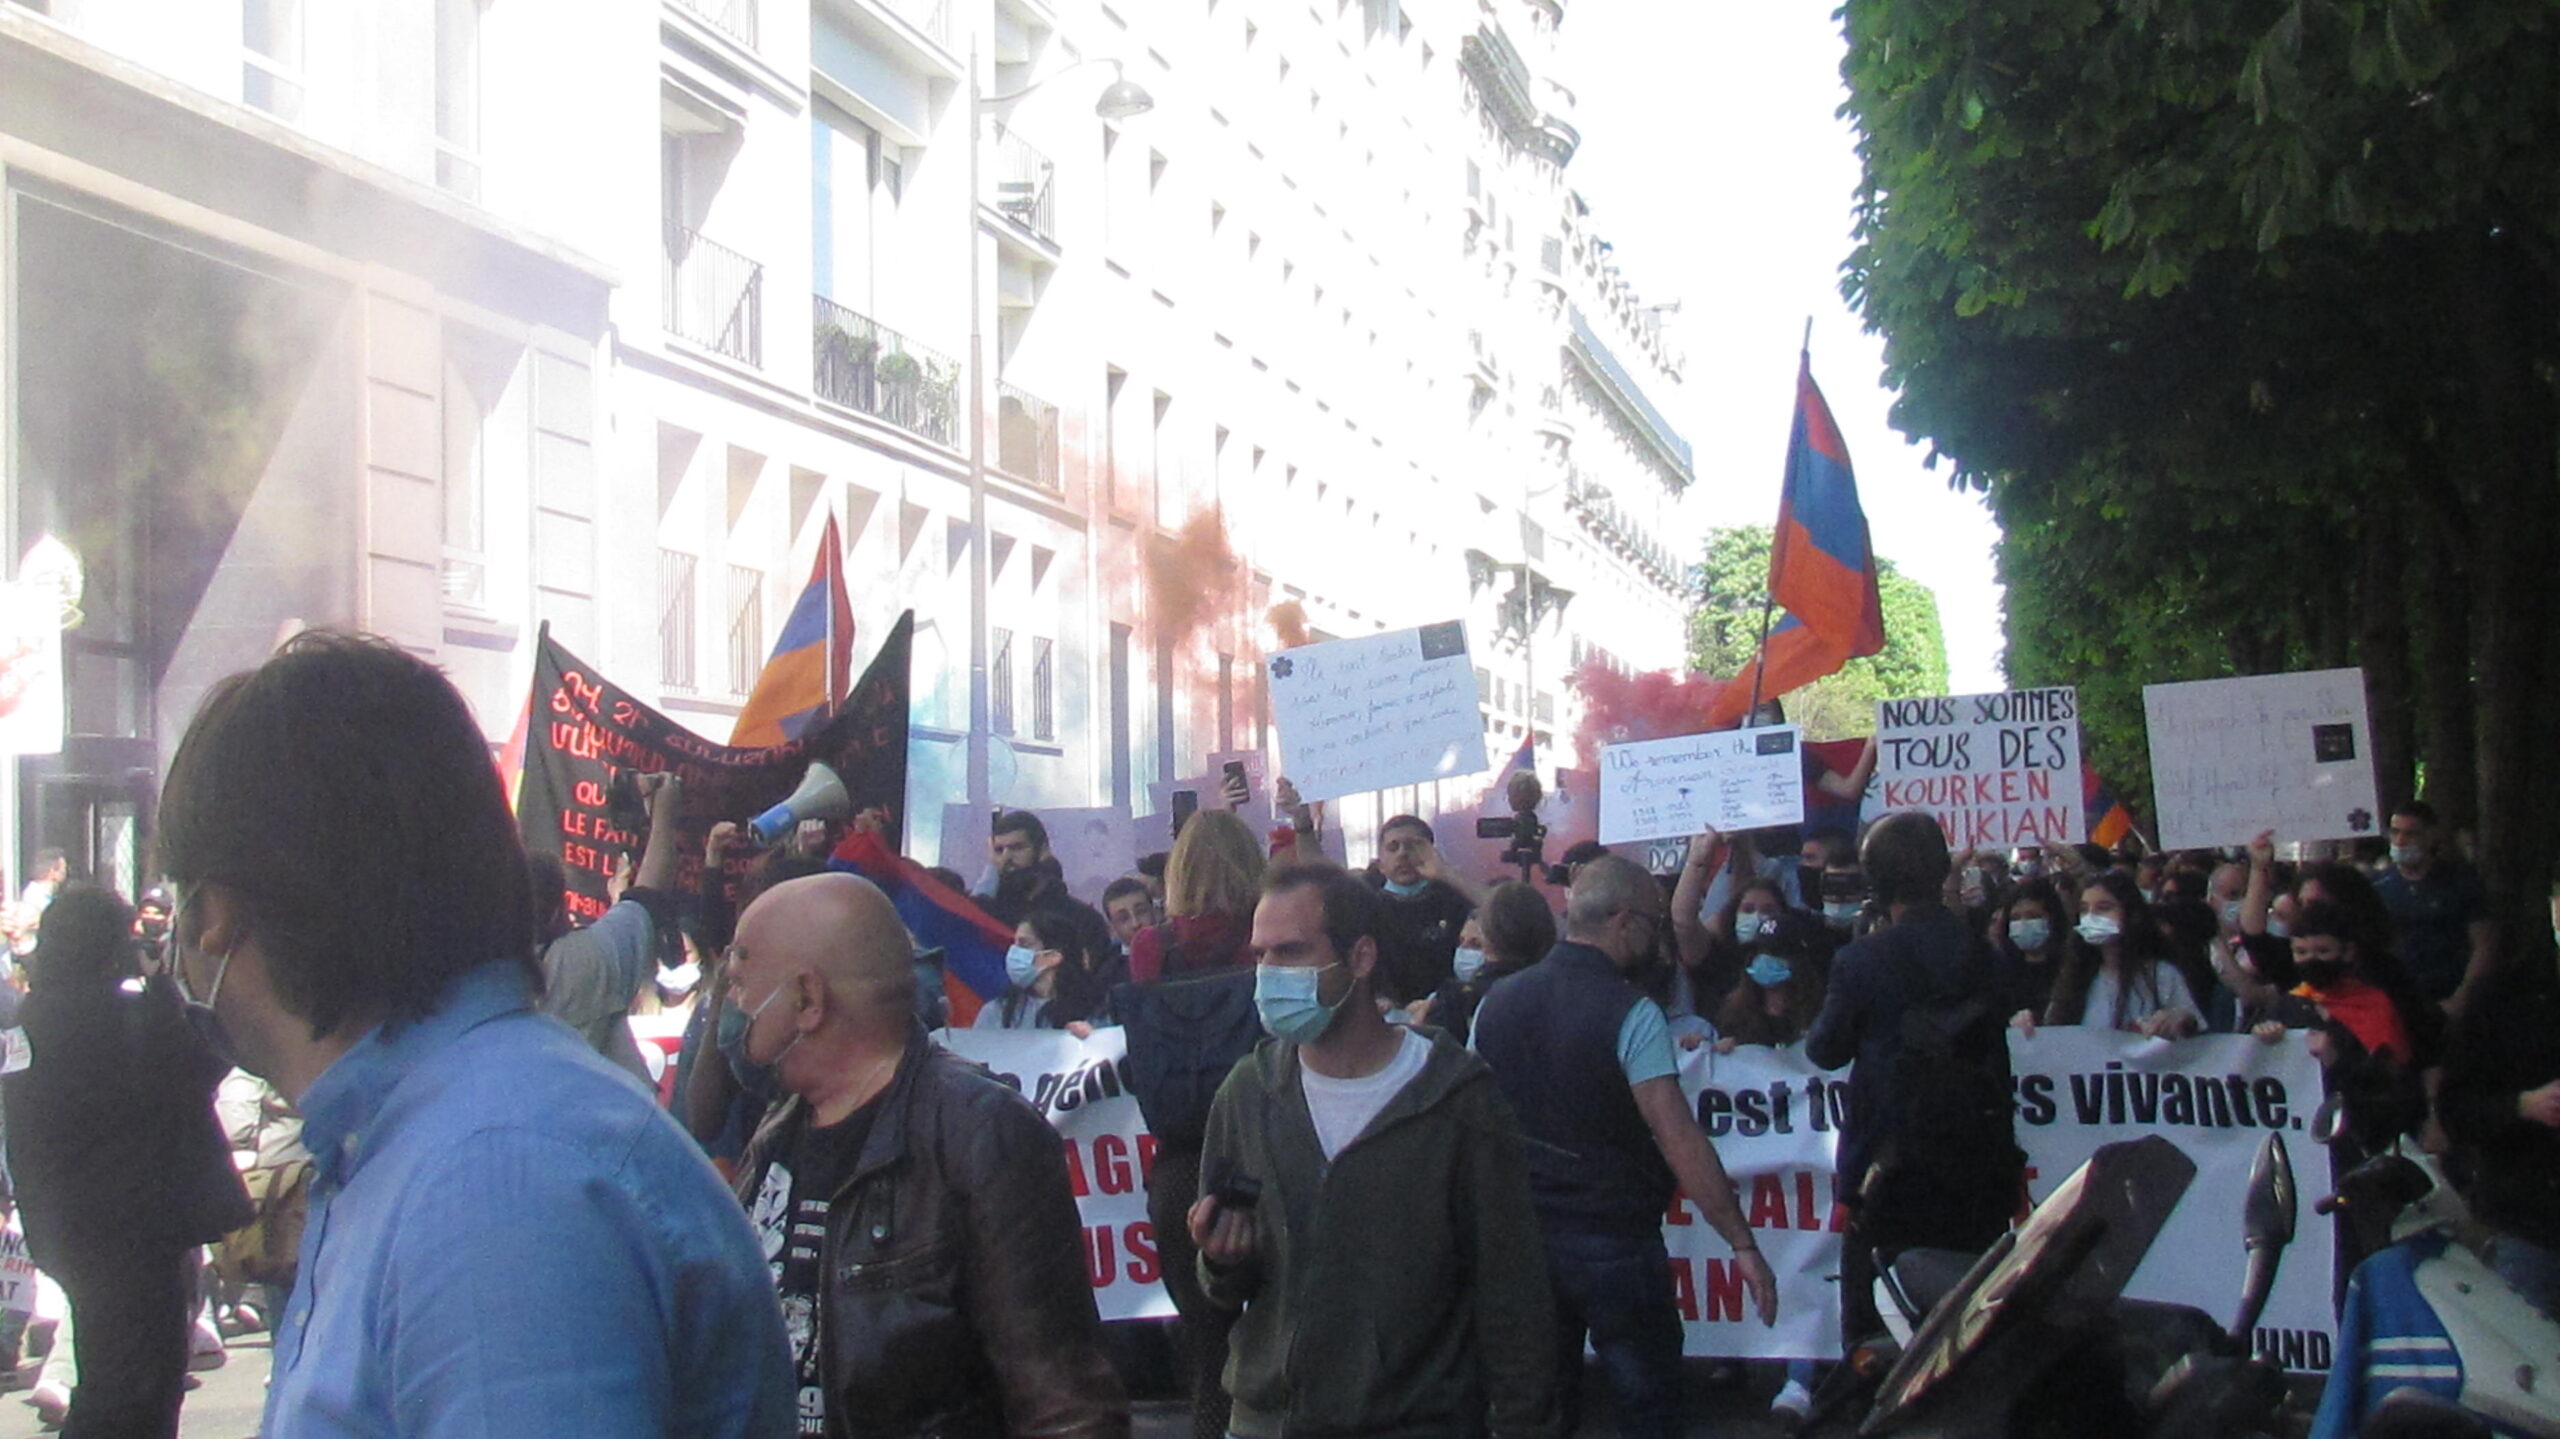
x: 820, y: 796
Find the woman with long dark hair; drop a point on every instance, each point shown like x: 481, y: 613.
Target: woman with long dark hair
x: 2030, y: 933
x: 1053, y: 976
x: 2119, y: 974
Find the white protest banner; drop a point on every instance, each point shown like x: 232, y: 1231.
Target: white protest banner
x: 1730, y: 781
x: 2231, y: 759
x: 1774, y: 1121
x: 1077, y: 1085
x: 1997, y: 770
x: 2216, y: 1097
x: 1363, y: 714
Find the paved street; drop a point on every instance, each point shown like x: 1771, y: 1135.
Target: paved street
x: 226, y: 1404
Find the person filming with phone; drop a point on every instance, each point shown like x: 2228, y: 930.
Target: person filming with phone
x: 1364, y: 1203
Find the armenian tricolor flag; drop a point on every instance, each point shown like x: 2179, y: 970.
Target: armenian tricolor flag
x: 939, y: 917
x: 812, y: 658
x: 1822, y: 570
x: 2109, y: 820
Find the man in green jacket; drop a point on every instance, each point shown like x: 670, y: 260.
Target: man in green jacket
x: 1366, y: 1205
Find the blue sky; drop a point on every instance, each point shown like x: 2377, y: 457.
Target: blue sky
x: 1715, y: 160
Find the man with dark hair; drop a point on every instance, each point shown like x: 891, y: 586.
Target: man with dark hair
x: 1364, y: 1204
x: 2439, y: 912
x: 590, y: 976
x: 1129, y: 905
x: 1585, y: 1058
x: 354, y: 925
x: 1941, y: 1168
x: 915, y: 1209
x: 1024, y: 872
x: 1427, y: 904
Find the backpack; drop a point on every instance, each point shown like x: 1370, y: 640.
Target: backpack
x: 1184, y: 1036
x: 1949, y: 1174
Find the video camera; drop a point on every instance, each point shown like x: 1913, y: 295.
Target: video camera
x: 1527, y: 833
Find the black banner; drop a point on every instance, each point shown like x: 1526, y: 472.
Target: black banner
x: 585, y: 729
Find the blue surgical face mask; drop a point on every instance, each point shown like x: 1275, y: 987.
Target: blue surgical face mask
x: 1466, y: 964
x: 1747, y: 924
x: 761, y: 1078
x: 2231, y: 914
x: 1768, y: 970
x: 1842, y: 914
x: 1407, y: 891
x: 2408, y: 855
x: 1022, y: 965
x: 2278, y: 929
x: 2030, y: 934
x: 1285, y: 996
x: 2099, y: 928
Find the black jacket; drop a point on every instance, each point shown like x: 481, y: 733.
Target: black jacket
x: 2509, y: 1044
x: 113, y: 1142
x: 956, y: 1298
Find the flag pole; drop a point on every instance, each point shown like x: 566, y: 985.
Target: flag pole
x: 1769, y: 588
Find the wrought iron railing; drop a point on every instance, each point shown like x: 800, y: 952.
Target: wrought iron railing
x: 864, y: 365
x: 675, y: 620
x: 746, y: 628
x: 1021, y: 183
x: 733, y: 18
x: 1027, y: 437
x: 714, y: 296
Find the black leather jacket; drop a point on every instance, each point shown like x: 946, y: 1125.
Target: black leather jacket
x: 957, y: 1302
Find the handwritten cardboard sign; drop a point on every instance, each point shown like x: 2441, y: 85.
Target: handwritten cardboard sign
x: 2231, y: 759
x: 1998, y: 770
x: 1728, y: 781
x: 1362, y: 714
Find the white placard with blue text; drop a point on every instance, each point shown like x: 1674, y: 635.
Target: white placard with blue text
x: 1728, y: 781
x: 2232, y: 759
x: 1363, y: 714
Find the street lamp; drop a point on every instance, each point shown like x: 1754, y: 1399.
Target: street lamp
x: 1122, y: 98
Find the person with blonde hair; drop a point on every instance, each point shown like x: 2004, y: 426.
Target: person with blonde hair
x: 1211, y: 885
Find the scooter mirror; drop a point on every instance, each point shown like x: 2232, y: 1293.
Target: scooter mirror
x: 2267, y: 1217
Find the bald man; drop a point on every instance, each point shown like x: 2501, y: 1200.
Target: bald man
x: 914, y: 1209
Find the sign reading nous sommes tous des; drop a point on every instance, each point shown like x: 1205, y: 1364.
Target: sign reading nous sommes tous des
x: 1998, y: 770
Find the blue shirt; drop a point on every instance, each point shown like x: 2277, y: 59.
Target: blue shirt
x: 507, y: 1237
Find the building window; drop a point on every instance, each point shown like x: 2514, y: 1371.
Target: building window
x: 1044, y: 688
x: 476, y: 373
x: 1000, y: 682
x: 271, y: 56
x: 458, y: 97
x: 675, y: 621
x: 746, y: 628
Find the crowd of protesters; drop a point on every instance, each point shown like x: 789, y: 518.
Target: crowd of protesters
x: 700, y: 1166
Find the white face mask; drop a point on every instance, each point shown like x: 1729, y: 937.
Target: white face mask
x: 1747, y: 925
x: 1467, y: 964
x: 2099, y: 928
x: 2029, y: 934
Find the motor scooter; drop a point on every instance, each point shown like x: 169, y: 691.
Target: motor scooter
x: 2434, y: 1345
x: 2034, y: 1338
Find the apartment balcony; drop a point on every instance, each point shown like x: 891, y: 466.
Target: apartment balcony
x: 1027, y: 438
x: 733, y: 18
x: 864, y: 365
x: 1021, y: 184
x: 714, y: 297
x: 1618, y: 530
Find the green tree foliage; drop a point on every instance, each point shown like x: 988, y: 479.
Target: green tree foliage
x: 2241, y: 315
x: 1724, y: 633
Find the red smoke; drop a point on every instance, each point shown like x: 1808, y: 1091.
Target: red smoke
x: 1654, y: 705
x: 1193, y: 579
x: 1288, y: 620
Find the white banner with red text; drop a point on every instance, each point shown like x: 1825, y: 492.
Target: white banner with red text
x: 1773, y: 1118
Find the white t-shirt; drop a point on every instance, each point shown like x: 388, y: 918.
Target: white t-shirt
x: 2168, y: 993
x: 1342, y: 1108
